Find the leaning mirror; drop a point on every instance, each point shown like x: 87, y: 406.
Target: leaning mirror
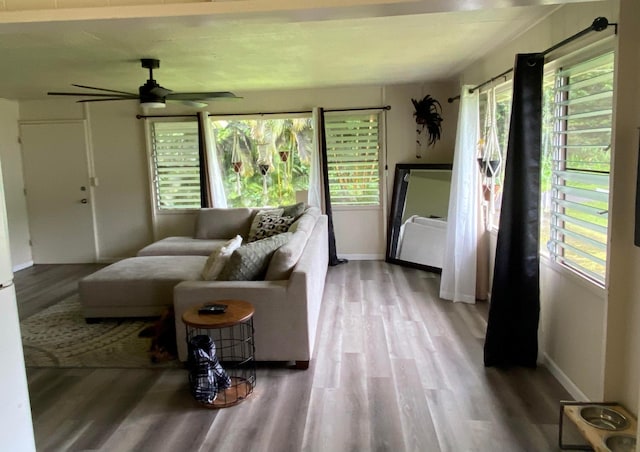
x: 418, y: 218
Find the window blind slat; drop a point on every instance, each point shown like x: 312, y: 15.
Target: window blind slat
x: 352, y: 159
x: 580, y: 177
x: 176, y: 165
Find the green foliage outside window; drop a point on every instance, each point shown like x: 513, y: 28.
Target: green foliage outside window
x: 264, y: 161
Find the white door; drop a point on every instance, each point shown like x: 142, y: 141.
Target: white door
x: 58, y: 192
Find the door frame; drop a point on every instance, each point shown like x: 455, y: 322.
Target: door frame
x: 93, y: 180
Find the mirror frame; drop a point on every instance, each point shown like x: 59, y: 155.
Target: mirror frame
x: 398, y: 199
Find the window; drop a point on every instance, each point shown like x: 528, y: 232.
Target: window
x: 581, y: 143
x: 176, y: 165
x: 353, y: 151
x: 264, y: 162
x: 575, y: 162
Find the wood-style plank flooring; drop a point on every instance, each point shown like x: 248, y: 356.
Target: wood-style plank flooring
x: 395, y: 368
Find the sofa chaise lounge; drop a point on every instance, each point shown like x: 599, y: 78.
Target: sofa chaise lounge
x: 168, y: 272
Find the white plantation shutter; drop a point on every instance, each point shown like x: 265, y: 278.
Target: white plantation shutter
x: 176, y: 165
x: 353, y: 146
x: 581, y: 166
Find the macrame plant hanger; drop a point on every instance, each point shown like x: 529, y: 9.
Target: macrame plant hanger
x: 491, y: 158
x: 264, y: 166
x: 236, y: 161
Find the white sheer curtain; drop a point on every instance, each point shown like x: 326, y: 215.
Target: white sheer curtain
x: 315, y: 195
x: 212, y: 167
x: 458, y: 280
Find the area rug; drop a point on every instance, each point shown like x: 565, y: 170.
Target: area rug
x: 59, y: 337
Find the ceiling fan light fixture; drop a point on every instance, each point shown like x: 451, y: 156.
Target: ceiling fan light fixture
x: 150, y: 95
x: 152, y: 104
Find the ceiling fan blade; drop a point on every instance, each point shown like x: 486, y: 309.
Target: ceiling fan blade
x: 109, y: 98
x: 103, y: 89
x: 203, y: 96
x: 128, y: 96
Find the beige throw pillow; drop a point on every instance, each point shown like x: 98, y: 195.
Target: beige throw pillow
x: 219, y: 257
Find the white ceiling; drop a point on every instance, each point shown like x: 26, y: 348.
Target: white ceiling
x: 244, y: 53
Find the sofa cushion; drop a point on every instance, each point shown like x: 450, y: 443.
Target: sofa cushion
x: 293, y: 210
x: 307, y: 221
x: 138, y: 283
x: 219, y: 257
x: 258, y: 220
x: 215, y: 223
x: 286, y: 257
x: 181, y: 246
x: 250, y: 261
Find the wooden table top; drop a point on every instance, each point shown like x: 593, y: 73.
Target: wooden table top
x: 237, y: 311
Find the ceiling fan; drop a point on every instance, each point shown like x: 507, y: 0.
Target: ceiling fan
x: 151, y: 94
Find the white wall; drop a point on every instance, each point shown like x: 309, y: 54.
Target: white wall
x: 622, y: 370
x: 14, y: 185
x: 122, y: 197
x: 573, y: 312
x: 16, y: 431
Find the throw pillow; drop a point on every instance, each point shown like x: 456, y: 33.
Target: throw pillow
x: 293, y: 210
x: 219, y: 257
x: 286, y: 257
x: 258, y: 217
x: 250, y: 261
x: 270, y: 225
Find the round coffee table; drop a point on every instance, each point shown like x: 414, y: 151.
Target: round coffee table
x: 232, y: 333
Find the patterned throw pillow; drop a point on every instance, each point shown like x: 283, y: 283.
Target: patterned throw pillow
x: 250, y: 261
x: 270, y: 225
x: 257, y: 218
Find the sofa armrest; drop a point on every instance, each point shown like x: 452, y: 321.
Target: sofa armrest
x: 275, y: 312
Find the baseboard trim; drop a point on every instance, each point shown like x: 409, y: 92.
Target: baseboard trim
x: 362, y: 257
x: 564, y: 380
x: 22, y: 266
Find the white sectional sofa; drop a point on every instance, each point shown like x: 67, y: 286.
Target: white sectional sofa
x: 287, y: 303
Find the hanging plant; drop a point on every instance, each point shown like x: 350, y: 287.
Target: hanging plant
x: 428, y: 118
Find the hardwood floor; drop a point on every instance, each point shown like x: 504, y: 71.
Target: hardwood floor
x: 395, y: 368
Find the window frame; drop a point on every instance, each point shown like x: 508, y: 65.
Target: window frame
x: 554, y: 258
x: 380, y: 159
x: 260, y: 116
x: 155, y: 206
x: 571, y: 57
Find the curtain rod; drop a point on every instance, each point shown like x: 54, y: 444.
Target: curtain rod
x: 385, y: 107
x: 598, y: 24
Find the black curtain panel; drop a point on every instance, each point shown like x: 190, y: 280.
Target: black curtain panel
x: 205, y: 200
x: 512, y: 329
x: 333, y: 255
